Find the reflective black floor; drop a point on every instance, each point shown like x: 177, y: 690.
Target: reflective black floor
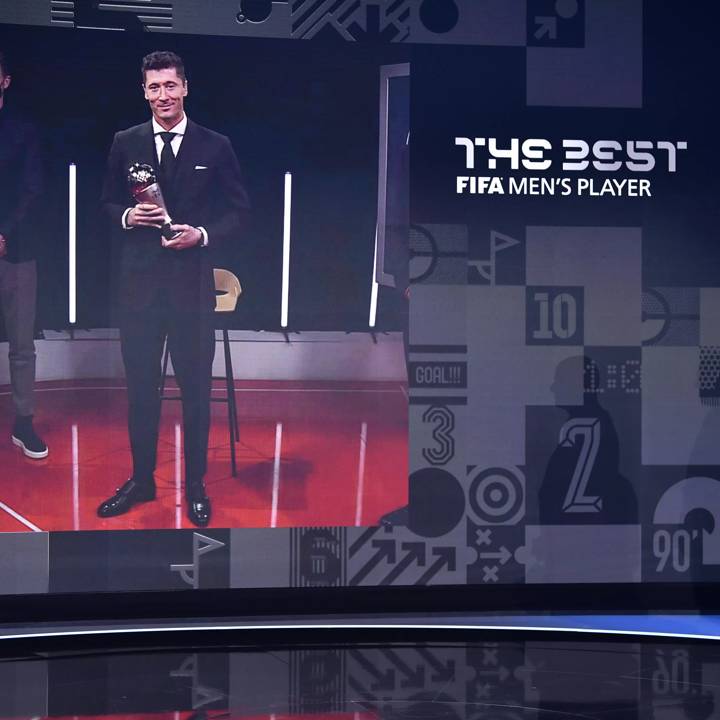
x: 494, y: 680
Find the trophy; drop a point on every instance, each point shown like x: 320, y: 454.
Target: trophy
x: 145, y: 189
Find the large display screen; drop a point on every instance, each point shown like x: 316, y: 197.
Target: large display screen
x: 476, y: 337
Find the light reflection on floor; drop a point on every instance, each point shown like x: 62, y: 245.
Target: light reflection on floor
x: 309, y: 454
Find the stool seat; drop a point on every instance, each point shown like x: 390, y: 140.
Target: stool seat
x: 228, y: 290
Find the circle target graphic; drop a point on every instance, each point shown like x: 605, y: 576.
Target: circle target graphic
x: 497, y: 495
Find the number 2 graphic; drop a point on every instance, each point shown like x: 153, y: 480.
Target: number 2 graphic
x: 587, y: 432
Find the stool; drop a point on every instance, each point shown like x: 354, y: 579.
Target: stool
x: 229, y: 290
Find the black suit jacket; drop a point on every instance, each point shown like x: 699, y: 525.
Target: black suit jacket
x: 206, y: 191
x: 21, y: 185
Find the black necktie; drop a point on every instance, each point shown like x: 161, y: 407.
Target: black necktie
x: 167, y: 156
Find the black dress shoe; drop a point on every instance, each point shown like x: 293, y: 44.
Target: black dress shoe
x: 131, y: 493
x: 198, y: 509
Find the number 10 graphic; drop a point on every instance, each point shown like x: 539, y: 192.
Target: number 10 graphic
x: 554, y: 316
x: 562, y: 313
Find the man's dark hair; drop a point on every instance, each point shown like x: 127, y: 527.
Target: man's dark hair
x: 161, y: 60
x: 4, y: 66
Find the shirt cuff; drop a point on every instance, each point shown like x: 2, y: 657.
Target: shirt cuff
x: 124, y: 219
x: 204, y: 234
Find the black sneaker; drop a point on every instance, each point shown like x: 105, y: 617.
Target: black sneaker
x: 25, y: 437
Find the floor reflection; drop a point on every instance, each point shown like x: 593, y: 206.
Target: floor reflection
x: 493, y: 681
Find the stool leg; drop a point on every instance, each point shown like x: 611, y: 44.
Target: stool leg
x: 231, y: 375
x: 230, y: 401
x: 166, y: 356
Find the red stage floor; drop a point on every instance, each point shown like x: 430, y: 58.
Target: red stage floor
x: 309, y: 454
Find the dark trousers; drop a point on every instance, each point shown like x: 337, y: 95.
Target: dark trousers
x: 18, y: 287
x: 191, y: 341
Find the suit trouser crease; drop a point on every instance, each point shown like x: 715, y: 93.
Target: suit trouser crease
x: 18, y: 297
x: 191, y: 342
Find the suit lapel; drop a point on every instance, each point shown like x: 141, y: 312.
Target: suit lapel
x: 186, y: 158
x: 146, y: 146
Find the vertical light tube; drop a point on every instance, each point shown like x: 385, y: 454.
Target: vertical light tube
x: 72, y: 244
x: 276, y: 475
x: 75, y: 444
x: 178, y: 473
x: 286, y: 250
x: 374, y: 286
x: 361, y: 476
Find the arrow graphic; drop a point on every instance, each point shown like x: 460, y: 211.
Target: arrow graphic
x: 385, y: 681
x: 362, y: 540
x: 415, y: 553
x: 502, y: 673
x: 385, y: 551
x: 373, y: 27
x: 415, y: 678
x: 445, y: 673
x: 360, y: 690
x: 445, y: 558
x: 503, y: 555
x: 546, y: 26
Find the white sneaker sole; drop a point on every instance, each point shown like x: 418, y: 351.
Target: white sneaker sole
x: 29, y: 453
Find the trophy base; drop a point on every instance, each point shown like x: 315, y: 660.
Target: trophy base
x: 169, y: 234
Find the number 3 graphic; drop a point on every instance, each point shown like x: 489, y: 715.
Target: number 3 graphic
x: 442, y: 433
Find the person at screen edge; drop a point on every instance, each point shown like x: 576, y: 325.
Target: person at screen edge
x: 167, y: 290
x: 21, y: 188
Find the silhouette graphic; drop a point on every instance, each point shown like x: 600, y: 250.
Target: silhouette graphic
x: 582, y: 483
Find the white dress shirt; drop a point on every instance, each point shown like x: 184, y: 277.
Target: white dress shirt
x: 175, y: 144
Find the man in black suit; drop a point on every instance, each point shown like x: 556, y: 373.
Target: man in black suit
x: 167, y: 286
x: 21, y: 186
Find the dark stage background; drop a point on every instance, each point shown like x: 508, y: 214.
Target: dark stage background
x: 299, y: 107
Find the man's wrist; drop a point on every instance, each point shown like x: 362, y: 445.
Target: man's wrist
x: 203, y: 242
x: 124, y: 219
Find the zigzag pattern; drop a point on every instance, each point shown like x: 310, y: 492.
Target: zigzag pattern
x: 352, y: 19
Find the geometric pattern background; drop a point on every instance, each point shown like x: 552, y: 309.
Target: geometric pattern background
x: 570, y: 433
x: 536, y: 23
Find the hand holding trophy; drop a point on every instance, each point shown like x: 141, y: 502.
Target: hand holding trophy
x: 146, y: 189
